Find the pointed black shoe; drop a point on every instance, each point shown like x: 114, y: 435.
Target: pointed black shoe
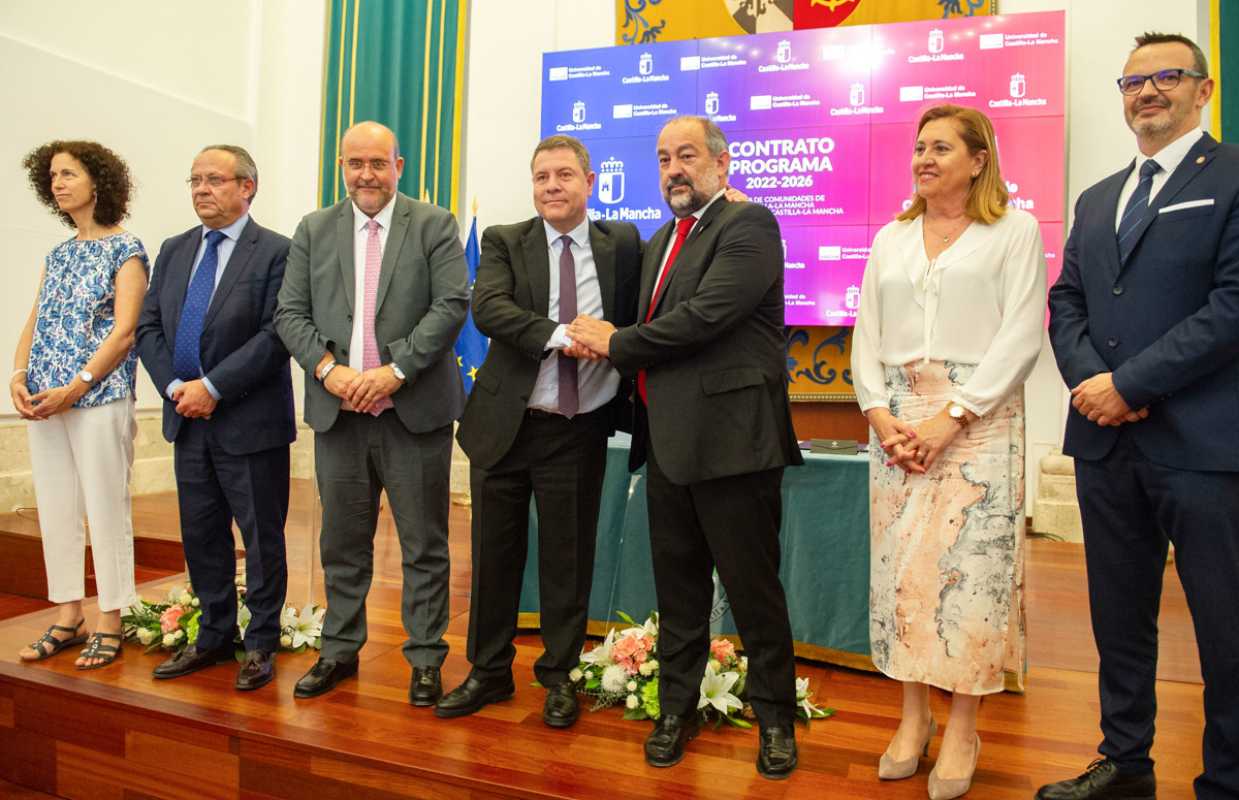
x: 1102, y: 780
x: 426, y: 687
x: 561, y: 708
x: 664, y: 747
x: 191, y: 659
x: 777, y: 757
x: 257, y: 671
x: 323, y: 677
x: 473, y: 694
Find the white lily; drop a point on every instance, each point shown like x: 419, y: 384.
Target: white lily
x: 804, y: 699
x: 309, y: 626
x: 716, y: 692
x: 602, y: 653
x: 288, y: 618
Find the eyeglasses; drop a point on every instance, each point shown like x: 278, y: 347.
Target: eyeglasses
x: 1163, y: 81
x: 375, y: 164
x: 214, y: 181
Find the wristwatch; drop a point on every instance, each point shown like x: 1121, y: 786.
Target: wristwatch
x: 85, y: 377
x: 322, y: 373
x: 958, y: 413
x: 397, y: 371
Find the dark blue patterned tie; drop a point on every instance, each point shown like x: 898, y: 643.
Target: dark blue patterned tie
x: 1136, y: 210
x: 185, y: 362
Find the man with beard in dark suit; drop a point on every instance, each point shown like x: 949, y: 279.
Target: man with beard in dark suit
x: 713, y: 425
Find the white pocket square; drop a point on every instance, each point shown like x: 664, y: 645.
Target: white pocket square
x: 1208, y: 201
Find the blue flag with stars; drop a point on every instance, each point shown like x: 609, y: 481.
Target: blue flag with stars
x: 471, y: 345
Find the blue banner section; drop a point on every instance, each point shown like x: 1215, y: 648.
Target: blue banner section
x: 471, y: 345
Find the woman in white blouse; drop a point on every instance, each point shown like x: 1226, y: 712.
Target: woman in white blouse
x: 949, y: 326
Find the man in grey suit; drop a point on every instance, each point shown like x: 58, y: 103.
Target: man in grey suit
x: 374, y: 295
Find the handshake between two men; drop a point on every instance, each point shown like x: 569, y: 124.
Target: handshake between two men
x: 590, y: 338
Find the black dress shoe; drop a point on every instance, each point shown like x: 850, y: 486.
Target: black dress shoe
x: 1102, y: 779
x: 777, y: 757
x: 474, y: 693
x: 561, y: 708
x: 258, y: 670
x: 664, y: 747
x: 324, y: 676
x: 426, y: 687
x: 191, y: 659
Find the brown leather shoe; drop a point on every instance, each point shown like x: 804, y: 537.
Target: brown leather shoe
x: 257, y: 671
x: 191, y: 659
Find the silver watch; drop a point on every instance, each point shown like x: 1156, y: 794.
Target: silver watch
x: 322, y: 374
x: 85, y: 377
x: 397, y: 371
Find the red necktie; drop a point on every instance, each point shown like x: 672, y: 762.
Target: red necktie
x: 682, y: 229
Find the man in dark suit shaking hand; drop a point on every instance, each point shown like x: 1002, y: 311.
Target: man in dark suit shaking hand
x: 713, y: 427
x: 537, y: 422
x: 207, y: 338
x: 1145, y: 326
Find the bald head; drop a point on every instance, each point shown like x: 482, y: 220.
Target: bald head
x: 371, y: 163
x: 369, y: 131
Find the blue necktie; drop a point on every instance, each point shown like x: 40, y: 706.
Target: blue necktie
x: 186, y: 364
x: 1136, y: 210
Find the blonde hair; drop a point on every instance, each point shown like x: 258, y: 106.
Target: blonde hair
x: 987, y: 196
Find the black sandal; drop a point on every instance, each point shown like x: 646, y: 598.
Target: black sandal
x: 49, y: 644
x: 97, y: 649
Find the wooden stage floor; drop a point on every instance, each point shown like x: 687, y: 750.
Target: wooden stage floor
x: 116, y: 733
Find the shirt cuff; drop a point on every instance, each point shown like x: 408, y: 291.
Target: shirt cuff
x: 210, y: 387
x: 559, y: 339
x: 172, y: 387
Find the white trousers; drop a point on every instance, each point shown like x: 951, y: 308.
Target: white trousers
x: 80, y: 462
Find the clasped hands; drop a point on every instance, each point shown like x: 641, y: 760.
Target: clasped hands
x: 591, y: 338
x: 44, y: 404
x: 1098, y: 400
x: 913, y: 449
x: 360, y: 391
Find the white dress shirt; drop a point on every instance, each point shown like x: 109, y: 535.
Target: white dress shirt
x: 597, y: 381
x: 662, y: 267
x: 981, y: 301
x: 223, y: 252
x: 356, y: 343
x: 1168, y: 158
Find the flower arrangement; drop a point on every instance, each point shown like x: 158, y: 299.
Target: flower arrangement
x: 623, y: 669
x: 173, y: 624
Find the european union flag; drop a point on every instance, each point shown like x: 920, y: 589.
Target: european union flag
x: 471, y: 345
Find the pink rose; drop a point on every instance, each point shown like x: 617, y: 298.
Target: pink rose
x: 723, y: 651
x: 170, y: 620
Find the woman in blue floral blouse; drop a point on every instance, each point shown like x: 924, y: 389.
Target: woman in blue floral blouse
x: 73, y: 379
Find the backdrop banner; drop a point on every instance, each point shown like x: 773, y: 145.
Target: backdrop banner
x: 645, y: 21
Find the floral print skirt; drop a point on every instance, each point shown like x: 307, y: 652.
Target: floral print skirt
x: 946, y: 574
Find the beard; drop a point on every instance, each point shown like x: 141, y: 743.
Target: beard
x: 698, y: 195
x: 1155, y: 127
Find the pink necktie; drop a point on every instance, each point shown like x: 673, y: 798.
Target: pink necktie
x: 369, y: 345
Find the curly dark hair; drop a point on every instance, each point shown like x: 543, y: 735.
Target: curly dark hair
x: 113, y: 186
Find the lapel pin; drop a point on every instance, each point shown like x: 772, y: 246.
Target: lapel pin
x: 1200, y: 159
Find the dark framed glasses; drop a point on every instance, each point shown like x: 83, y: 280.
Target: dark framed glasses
x: 1164, y: 80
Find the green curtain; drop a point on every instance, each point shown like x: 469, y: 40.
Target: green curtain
x: 401, y: 63
x: 1228, y: 31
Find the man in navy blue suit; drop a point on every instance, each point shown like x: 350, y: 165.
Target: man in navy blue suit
x: 1145, y: 327
x: 206, y: 337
